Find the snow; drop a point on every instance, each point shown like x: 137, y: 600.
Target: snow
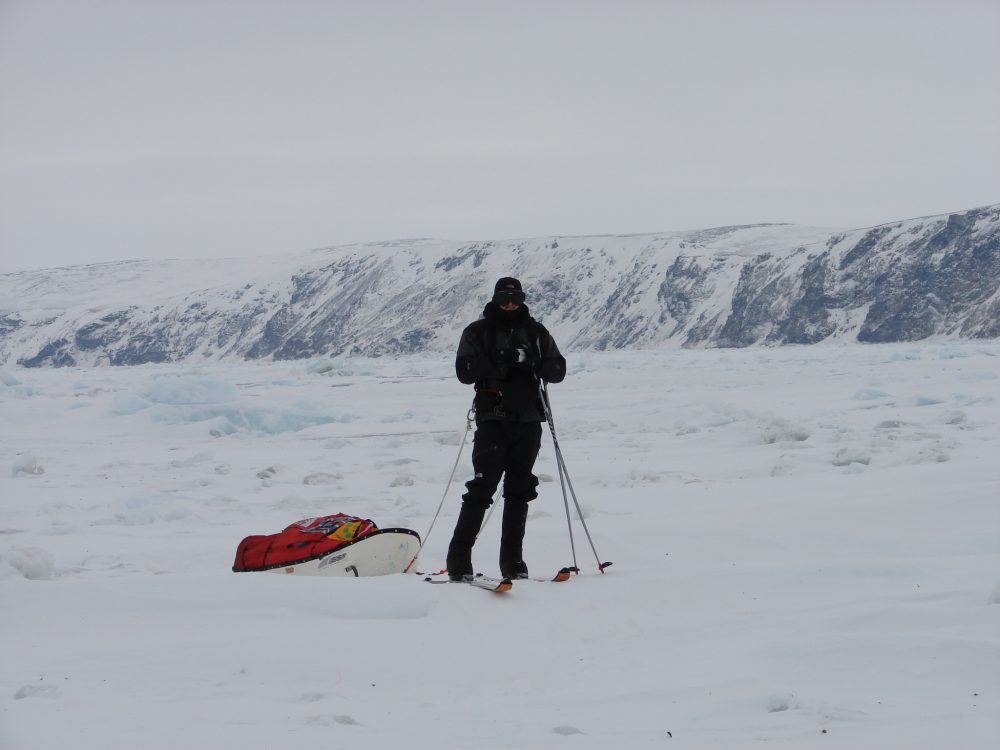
x: 805, y: 546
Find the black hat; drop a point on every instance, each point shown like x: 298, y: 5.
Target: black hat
x: 507, y: 284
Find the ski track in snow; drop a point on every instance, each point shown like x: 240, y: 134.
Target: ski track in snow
x: 805, y: 546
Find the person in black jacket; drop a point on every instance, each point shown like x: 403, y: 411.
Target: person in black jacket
x: 504, y: 354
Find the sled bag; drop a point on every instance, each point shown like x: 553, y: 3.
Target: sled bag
x: 303, y: 540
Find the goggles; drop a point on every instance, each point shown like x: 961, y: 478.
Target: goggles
x: 504, y: 297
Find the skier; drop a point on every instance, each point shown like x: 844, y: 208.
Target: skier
x: 504, y: 354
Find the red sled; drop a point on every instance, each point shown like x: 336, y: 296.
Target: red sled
x: 337, y: 545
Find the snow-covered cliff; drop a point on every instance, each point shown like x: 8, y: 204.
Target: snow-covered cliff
x: 726, y: 287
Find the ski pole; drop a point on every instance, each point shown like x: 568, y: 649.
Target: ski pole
x: 461, y: 447
x: 563, y: 471
x: 559, y: 467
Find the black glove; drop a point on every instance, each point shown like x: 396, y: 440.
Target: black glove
x: 510, y: 356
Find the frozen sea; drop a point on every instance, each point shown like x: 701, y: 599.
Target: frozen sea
x: 806, y: 549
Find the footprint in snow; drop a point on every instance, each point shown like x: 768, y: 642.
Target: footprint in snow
x: 890, y: 424
x: 404, y: 479
x: 782, y: 431
x: 197, y: 458
x: 780, y: 702
x: 848, y: 456
x: 566, y: 730
x: 29, y: 465
x: 328, y: 720
x: 321, y: 477
x: 395, y: 462
x: 38, y: 691
x: 954, y: 418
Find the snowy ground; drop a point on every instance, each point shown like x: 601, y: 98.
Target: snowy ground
x: 806, y: 548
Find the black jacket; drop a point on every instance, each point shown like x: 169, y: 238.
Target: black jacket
x: 504, y: 389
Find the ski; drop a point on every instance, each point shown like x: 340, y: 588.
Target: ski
x: 561, y: 576
x: 496, y: 585
x: 564, y: 574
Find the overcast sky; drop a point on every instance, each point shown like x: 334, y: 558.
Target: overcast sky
x: 204, y: 128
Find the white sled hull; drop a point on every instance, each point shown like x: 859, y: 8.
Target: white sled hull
x: 380, y: 554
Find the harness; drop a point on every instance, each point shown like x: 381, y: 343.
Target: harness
x: 496, y: 409
x: 493, y: 387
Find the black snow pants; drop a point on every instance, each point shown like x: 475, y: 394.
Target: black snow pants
x: 508, y: 449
